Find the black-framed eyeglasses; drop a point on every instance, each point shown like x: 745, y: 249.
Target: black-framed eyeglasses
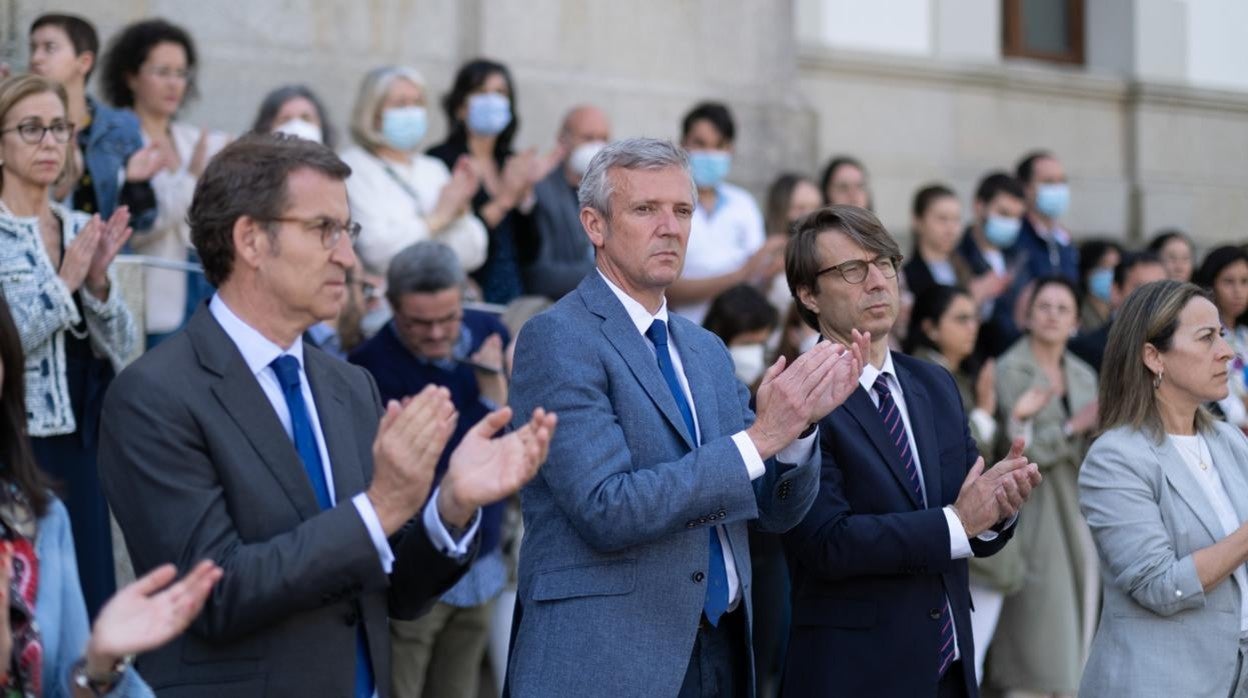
x: 31, y: 132
x: 855, y: 270
x: 331, y: 231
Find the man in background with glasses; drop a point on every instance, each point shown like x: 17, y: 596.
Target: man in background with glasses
x: 880, y: 587
x: 235, y: 442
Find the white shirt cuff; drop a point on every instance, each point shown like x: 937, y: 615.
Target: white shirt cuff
x: 440, y: 537
x: 984, y: 424
x: 369, y: 515
x: 991, y: 535
x: 800, y: 450
x: 959, y: 544
x: 753, y: 460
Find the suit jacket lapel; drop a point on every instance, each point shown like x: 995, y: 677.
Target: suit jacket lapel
x: 246, y: 404
x: 635, y: 349
x: 1176, y: 470
x: 701, y: 383
x: 918, y: 409
x: 331, y: 406
x: 861, y: 408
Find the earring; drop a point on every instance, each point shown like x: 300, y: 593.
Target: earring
x: 1157, y: 380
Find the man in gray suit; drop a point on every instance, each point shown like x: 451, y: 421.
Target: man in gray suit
x: 635, y: 570
x: 233, y: 441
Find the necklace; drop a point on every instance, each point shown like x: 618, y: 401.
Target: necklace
x: 1200, y: 455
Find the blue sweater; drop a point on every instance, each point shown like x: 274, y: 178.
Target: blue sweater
x: 400, y: 373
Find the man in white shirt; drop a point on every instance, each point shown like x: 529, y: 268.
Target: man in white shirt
x: 235, y: 442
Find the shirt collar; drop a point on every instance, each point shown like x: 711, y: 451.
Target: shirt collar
x: 256, y: 349
x: 870, y: 372
x: 641, y: 317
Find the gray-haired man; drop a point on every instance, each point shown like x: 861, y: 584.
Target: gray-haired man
x: 635, y: 569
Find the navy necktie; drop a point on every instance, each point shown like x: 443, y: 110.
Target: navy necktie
x: 287, y: 369
x: 896, y: 427
x: 716, y: 602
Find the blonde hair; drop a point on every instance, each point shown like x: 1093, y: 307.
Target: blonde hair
x: 1150, y: 316
x: 19, y: 87
x: 368, y: 101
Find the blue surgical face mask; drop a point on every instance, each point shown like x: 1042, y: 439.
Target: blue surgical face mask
x: 1002, y: 231
x: 1052, y: 200
x: 709, y: 167
x: 404, y: 127
x: 488, y: 113
x: 1100, y: 282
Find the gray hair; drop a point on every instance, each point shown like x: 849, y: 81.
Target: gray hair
x: 629, y: 154
x: 424, y: 267
x: 368, y: 101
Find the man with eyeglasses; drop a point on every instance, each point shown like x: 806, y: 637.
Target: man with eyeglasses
x: 880, y: 587
x: 433, y: 340
x: 236, y: 442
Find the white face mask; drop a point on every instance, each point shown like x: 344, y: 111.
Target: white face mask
x: 749, y: 360
x: 300, y: 128
x: 578, y: 161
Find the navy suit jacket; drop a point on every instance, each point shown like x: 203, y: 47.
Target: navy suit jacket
x: 870, y: 564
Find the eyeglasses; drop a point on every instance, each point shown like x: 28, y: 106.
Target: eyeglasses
x: 32, y: 132
x: 855, y: 270
x: 331, y: 231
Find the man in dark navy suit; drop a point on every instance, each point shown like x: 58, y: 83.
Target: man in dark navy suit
x: 881, y: 603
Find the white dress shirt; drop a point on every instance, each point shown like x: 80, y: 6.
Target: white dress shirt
x: 721, y: 241
x: 1195, y: 451
x: 259, y: 353
x: 797, y: 452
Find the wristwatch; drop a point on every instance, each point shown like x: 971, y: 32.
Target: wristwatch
x: 100, y: 685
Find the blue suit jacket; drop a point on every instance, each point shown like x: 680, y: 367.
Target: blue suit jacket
x: 871, y: 568
x: 612, y: 568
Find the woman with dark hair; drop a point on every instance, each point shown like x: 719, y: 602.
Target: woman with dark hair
x: 789, y: 197
x: 742, y: 317
x: 1097, y: 260
x: 1174, y: 248
x: 45, y: 643
x: 1224, y: 273
x: 297, y: 111
x: 481, y: 111
x: 1048, y: 396
x: 150, y: 68
x: 1165, y: 495
x: 936, y: 219
x: 844, y: 181
x: 55, y: 268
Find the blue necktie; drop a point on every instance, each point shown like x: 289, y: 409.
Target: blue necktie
x: 716, y: 602
x: 287, y: 369
x: 901, y: 439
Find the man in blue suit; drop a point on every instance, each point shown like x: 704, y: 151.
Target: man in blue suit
x: 1044, y: 242
x: 635, y: 568
x: 881, y: 603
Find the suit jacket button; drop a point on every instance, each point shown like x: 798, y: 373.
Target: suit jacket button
x: 697, y: 577
x: 934, y: 614
x: 722, y: 513
x: 702, y: 520
x: 691, y: 524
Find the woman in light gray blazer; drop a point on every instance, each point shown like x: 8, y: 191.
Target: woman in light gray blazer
x: 1165, y: 496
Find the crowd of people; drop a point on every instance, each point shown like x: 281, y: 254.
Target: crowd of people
x: 712, y: 448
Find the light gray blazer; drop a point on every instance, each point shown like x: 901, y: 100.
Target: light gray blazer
x: 1160, y: 634
x: 612, y: 568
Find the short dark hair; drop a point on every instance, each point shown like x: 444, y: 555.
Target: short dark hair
x: 1131, y: 260
x: 801, y: 255
x: 272, y: 104
x: 248, y: 178
x: 1054, y: 280
x: 1090, y: 253
x: 928, y: 195
x: 1163, y: 237
x: 995, y: 183
x: 81, y: 34
x: 829, y: 171
x: 716, y: 113
x: 472, y: 75
x: 128, y: 51
x: 739, y: 310
x: 1027, y: 166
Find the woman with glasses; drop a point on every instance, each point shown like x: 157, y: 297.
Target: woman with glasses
x: 1048, y: 396
x: 75, y: 329
x: 150, y: 68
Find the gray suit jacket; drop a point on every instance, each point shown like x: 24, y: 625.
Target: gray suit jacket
x: 1160, y: 634
x: 564, y: 255
x: 615, y: 548
x: 195, y: 464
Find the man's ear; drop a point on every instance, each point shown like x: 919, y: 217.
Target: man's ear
x: 252, y: 242
x: 595, y: 225
x: 85, y: 61
x: 807, y: 298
